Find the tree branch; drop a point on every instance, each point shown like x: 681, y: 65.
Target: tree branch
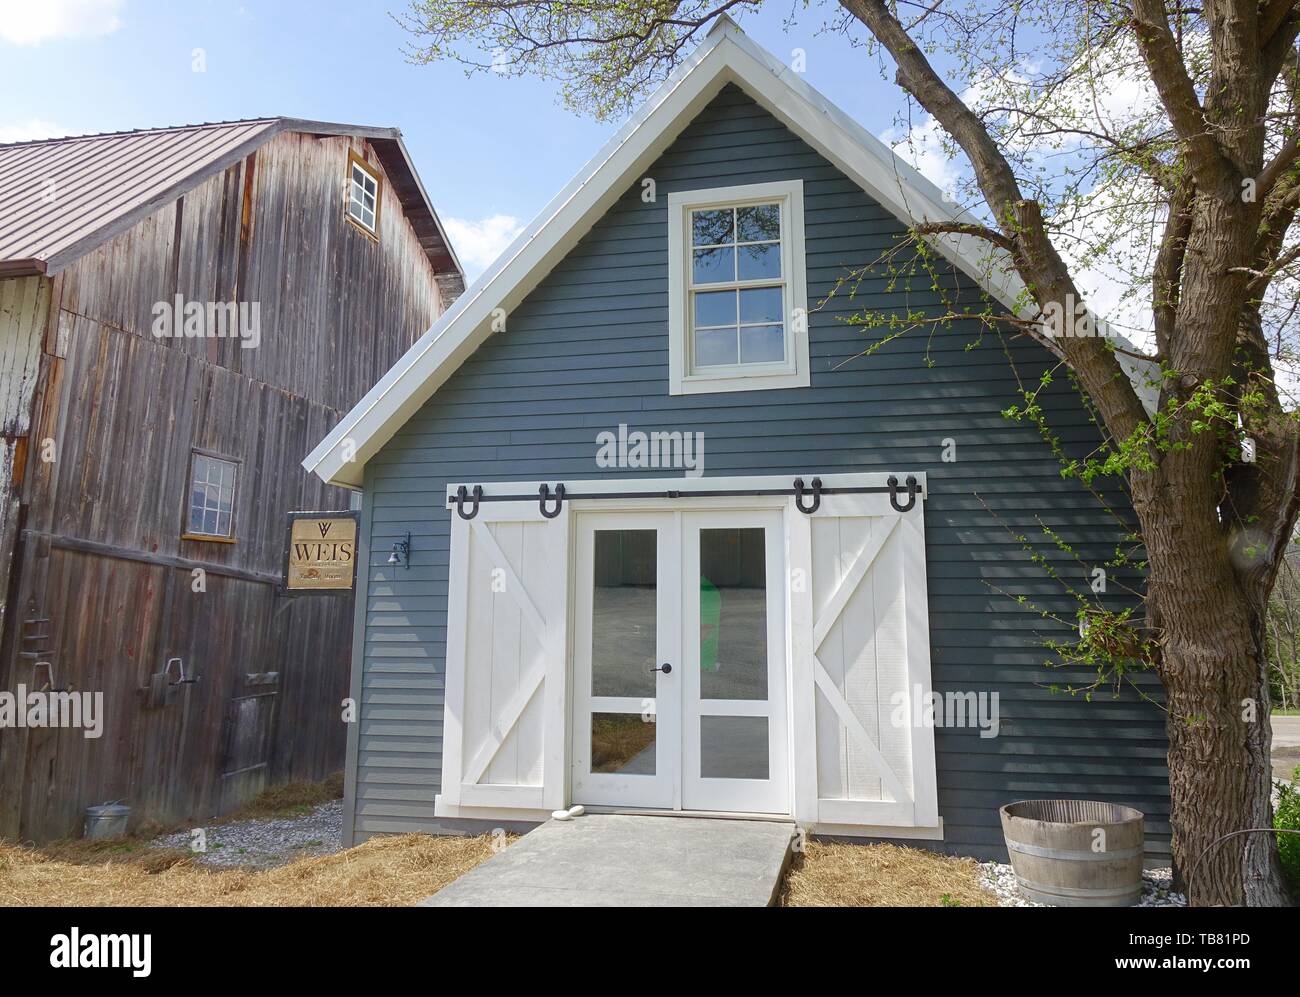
x: 1020, y: 219
x: 967, y: 228
x: 1167, y: 275
x: 1286, y: 158
x: 1165, y: 62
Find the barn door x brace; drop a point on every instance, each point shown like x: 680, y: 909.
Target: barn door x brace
x: 467, y: 500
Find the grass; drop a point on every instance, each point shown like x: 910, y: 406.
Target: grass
x: 383, y: 872
x: 839, y: 875
x: 402, y: 870
x: 293, y: 799
x: 616, y: 739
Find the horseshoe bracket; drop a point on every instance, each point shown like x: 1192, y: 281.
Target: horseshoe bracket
x: 544, y: 495
x: 816, y: 496
x: 911, y: 493
x: 461, y: 495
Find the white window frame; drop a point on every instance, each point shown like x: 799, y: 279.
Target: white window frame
x: 355, y: 162
x: 794, y: 371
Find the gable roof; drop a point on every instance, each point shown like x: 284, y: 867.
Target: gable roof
x: 727, y: 55
x: 101, y: 185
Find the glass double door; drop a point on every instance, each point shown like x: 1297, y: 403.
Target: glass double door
x: 679, y: 661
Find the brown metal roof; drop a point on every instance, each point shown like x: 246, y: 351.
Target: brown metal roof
x: 60, y: 198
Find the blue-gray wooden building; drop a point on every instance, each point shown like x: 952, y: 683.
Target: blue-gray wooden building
x: 649, y: 525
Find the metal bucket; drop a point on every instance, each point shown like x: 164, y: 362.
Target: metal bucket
x: 107, y: 820
x: 1075, y: 853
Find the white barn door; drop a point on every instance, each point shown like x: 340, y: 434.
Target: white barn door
x: 861, y: 617
x: 504, y: 720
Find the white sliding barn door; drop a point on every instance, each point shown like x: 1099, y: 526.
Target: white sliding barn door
x: 503, y: 736
x: 861, y: 655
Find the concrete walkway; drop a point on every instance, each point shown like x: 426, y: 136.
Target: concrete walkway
x: 1286, y: 746
x: 625, y: 860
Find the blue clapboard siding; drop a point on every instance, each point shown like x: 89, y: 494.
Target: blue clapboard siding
x: 588, y: 350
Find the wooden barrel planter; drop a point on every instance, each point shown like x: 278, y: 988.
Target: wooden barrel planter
x: 1075, y: 853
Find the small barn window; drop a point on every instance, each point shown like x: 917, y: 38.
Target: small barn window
x: 363, y: 194
x: 211, y: 506
x: 738, y: 309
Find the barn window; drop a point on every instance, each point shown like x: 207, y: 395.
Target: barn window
x: 211, y: 503
x: 738, y: 298
x: 363, y: 194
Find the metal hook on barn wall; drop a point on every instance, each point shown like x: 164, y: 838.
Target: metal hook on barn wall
x: 180, y: 671
x: 911, y: 493
x: 49, y: 678
x: 544, y: 494
x: 461, y: 495
x: 816, y: 496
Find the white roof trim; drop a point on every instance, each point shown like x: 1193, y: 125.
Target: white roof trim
x: 727, y: 55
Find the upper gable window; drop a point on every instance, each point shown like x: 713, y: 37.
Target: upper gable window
x: 738, y: 300
x: 363, y: 194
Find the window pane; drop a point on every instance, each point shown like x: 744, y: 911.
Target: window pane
x: 760, y: 306
x: 712, y: 266
x: 715, y: 308
x: 714, y: 347
x: 733, y: 748
x: 759, y: 223
x: 760, y: 261
x: 622, y: 742
x: 623, y: 613
x: 212, y: 494
x: 762, y: 344
x: 709, y: 228
x: 733, y: 614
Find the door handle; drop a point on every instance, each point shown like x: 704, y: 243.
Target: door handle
x: 665, y: 668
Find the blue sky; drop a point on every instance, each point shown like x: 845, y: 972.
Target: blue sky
x: 491, y: 150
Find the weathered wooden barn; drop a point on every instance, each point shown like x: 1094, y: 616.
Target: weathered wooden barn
x: 651, y: 523
x: 183, y: 313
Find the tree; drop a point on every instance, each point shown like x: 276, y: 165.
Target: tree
x: 1155, y: 141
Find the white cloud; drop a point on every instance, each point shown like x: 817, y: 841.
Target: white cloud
x: 24, y: 22
x: 922, y: 148
x: 478, y: 243
x: 30, y: 130
x: 1105, y: 244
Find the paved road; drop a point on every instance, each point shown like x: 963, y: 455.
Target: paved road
x: 1286, y: 746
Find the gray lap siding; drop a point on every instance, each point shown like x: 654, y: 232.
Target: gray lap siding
x: 588, y: 350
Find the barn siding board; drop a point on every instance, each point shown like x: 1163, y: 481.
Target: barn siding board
x: 24, y: 317
x: 587, y: 350
x: 124, y: 408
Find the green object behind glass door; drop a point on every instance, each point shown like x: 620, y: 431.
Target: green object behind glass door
x: 710, y: 614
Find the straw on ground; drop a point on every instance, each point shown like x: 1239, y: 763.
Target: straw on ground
x: 840, y: 875
x: 383, y: 872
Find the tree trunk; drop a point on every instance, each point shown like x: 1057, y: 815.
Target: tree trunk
x: 1215, y: 672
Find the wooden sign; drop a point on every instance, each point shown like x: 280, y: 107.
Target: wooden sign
x: 321, y: 552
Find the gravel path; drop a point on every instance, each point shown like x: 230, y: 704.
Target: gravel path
x: 1157, y: 888
x: 266, y: 843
